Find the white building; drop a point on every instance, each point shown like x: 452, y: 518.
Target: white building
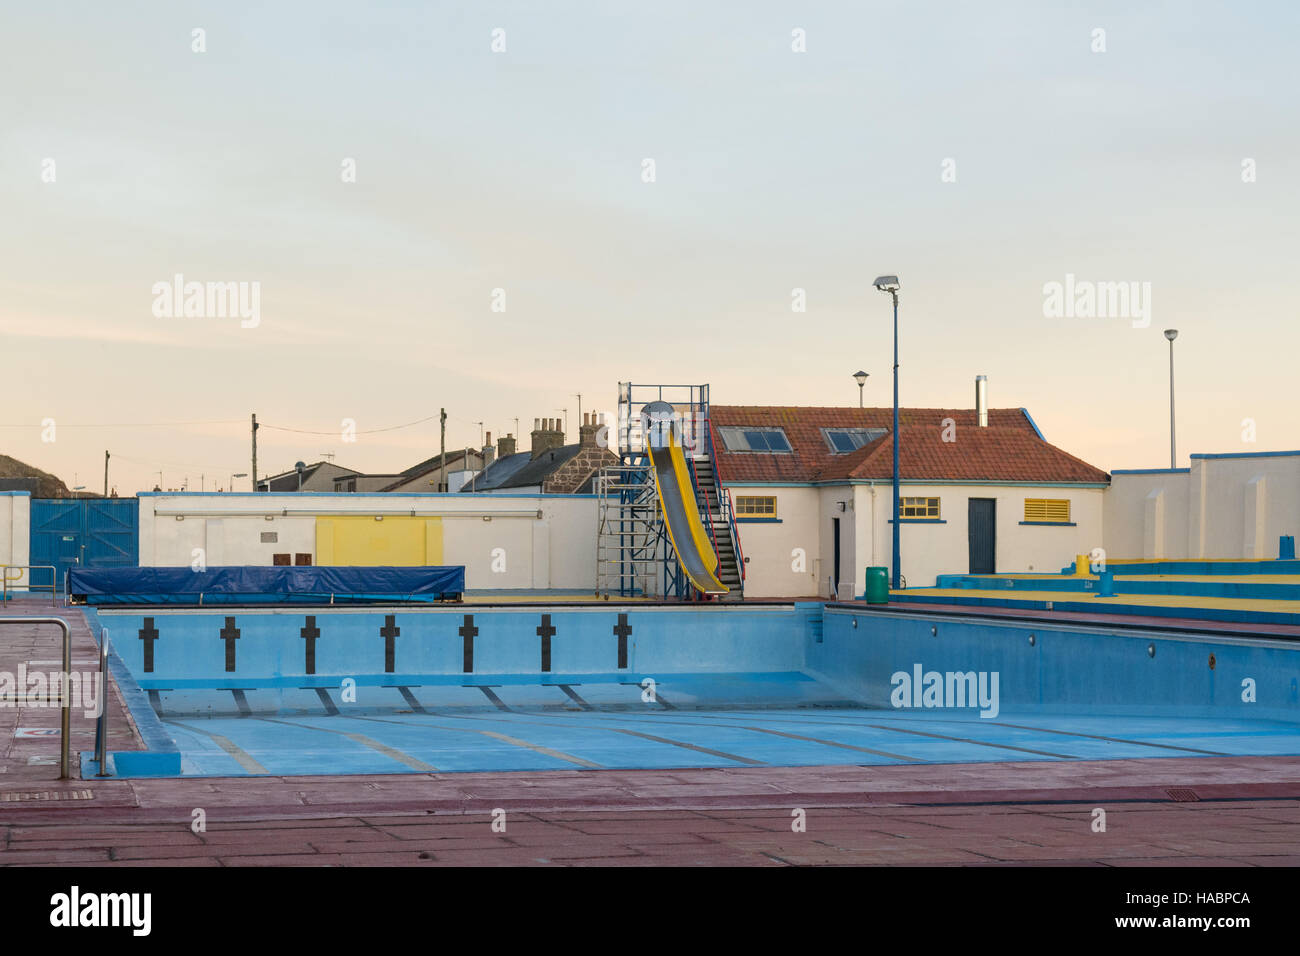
x: 504, y: 541
x: 812, y: 489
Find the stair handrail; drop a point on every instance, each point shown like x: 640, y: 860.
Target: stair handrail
x: 730, y: 511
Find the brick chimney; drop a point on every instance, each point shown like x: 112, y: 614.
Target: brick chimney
x: 506, y: 446
x: 587, y: 431
x: 488, y: 451
x: 547, y: 434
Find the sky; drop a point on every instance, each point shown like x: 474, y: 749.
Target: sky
x: 980, y: 152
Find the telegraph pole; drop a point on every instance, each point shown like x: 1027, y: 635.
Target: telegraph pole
x: 442, y: 445
x: 106, y: 473
x: 254, y: 451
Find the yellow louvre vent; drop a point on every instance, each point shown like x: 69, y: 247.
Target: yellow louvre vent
x: 1048, y: 509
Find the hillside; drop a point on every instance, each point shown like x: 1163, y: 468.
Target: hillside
x: 48, y: 486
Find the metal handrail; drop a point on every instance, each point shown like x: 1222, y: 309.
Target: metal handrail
x: 52, y: 587
x: 64, y: 690
x: 101, y: 727
x: 731, y: 504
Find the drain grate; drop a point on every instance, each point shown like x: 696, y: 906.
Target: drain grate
x: 17, y: 795
x: 1183, y: 796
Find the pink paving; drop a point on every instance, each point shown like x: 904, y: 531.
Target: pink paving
x: 1221, y: 811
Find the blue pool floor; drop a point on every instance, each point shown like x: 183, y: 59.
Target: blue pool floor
x: 549, y: 739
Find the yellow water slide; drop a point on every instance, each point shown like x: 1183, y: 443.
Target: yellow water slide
x: 686, y: 531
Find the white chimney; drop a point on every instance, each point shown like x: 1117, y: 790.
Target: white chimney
x: 982, y: 400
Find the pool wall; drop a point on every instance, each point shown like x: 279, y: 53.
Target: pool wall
x: 1061, y: 669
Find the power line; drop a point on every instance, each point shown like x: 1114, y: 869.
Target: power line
x: 363, y: 431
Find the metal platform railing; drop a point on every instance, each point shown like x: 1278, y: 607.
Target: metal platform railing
x: 52, y: 587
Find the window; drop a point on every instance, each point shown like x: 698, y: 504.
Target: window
x: 844, y: 440
x: 280, y: 560
x: 751, y: 506
x: 1054, y: 510
x: 918, y: 507
x: 768, y: 440
x: 301, y: 560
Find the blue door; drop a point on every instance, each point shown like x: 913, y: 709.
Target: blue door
x: 83, y: 532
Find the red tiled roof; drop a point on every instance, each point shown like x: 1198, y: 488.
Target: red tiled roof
x: 1009, y: 449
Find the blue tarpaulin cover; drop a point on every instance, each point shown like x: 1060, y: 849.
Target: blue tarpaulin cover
x: 260, y: 585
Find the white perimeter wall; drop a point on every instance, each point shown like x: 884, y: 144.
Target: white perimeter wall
x: 15, y: 528
x: 557, y: 550
x: 1220, y: 507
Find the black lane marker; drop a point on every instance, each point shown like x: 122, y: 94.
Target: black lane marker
x: 389, y: 631
x: 309, y: 634
x: 573, y: 696
x: 468, y: 631
x: 623, y: 630
x: 978, y: 743
x: 760, y: 730
x: 148, y: 634
x: 241, y: 701
x: 545, y: 631
x: 487, y: 692
x: 1114, y: 740
x: 698, y: 749
x: 230, y: 634
x: 411, y: 702
x: 328, y: 704
x: 828, y: 743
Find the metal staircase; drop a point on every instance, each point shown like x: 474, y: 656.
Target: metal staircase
x: 715, y: 508
x: 633, y: 553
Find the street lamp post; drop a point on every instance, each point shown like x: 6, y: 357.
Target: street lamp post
x: 890, y: 284
x: 1171, y: 334
x: 861, y: 378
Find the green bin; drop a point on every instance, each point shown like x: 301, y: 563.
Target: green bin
x: 877, y: 589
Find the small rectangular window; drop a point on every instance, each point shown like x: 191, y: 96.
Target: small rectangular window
x: 918, y: 507
x: 281, y: 560
x: 1049, y: 510
x: 756, y: 506
x: 302, y: 560
x: 270, y: 537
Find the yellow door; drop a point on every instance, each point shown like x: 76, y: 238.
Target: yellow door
x: 393, y: 541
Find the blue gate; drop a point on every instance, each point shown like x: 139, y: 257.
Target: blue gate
x: 83, y: 532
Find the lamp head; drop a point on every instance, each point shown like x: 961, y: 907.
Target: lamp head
x: 886, y: 283
x: 1171, y: 334
x: 861, y: 377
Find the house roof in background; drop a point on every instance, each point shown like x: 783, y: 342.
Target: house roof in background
x: 1009, y: 449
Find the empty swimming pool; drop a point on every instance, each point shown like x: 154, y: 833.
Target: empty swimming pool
x: 407, y: 690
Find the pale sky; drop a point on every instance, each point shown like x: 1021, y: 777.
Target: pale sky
x: 522, y: 170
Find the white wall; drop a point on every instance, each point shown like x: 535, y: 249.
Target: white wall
x: 933, y: 549
x: 928, y: 550
x: 555, y: 550
x: 1222, y: 506
x: 783, y: 558
x: 15, y: 529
